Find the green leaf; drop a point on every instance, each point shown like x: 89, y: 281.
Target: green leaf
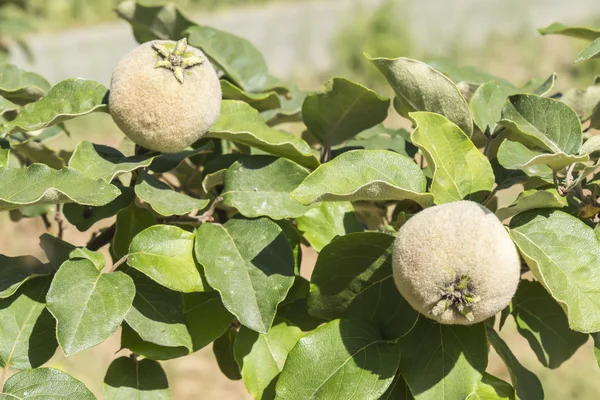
x: 19, y: 86
x: 365, y: 175
x: 461, y: 171
x: 583, y: 101
x: 543, y: 122
x: 97, y: 161
x: 515, y: 155
x: 492, y: 388
x: 88, y: 305
x: 38, y: 153
x: 223, y: 351
x: 148, y: 23
x: 540, y: 87
x: 591, y: 51
x: 83, y: 217
x: 419, y: 87
x: 341, y: 110
x: 591, y: 146
x: 242, y: 124
x: 290, y: 111
x: 487, y: 103
x: 381, y: 138
x: 132, y: 341
x: 44, y: 384
x: 164, y: 253
x: 398, y: 390
x: 258, y: 101
x: 326, y: 220
x: 66, y: 100
x: 130, y: 221
x: 4, y: 154
x: 261, y: 356
x: 353, y: 279
x: 343, y: 359
x: 206, y: 317
x: 443, y: 361
x: 27, y: 332
x: 567, y: 272
x: 40, y: 184
x: 526, y: 383
x: 261, y: 185
x: 15, y: 271
x: 58, y: 251
x: 242, y: 63
x: 165, y: 200
x: 157, y: 313
x: 531, y: 200
x: 557, y: 28
x: 294, y: 308
x: 135, y: 379
x: 166, y: 162
x: 464, y: 73
x: 542, y: 321
x: 596, y: 338
x: 7, y: 106
x: 251, y: 264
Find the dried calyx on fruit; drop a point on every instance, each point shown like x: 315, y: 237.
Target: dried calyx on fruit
x: 164, y: 95
x: 456, y: 263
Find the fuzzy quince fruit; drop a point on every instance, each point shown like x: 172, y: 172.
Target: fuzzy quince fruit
x: 456, y: 263
x: 164, y: 95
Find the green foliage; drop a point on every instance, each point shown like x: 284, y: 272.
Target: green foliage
x: 206, y: 247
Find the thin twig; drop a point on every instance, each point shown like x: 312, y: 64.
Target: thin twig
x: 102, y: 239
x: 47, y: 223
x: 326, y: 156
x: 118, y: 263
x: 488, y: 140
x: 60, y: 221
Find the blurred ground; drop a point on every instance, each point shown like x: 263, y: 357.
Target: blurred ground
x: 307, y: 42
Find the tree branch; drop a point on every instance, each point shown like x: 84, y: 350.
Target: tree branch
x: 102, y: 239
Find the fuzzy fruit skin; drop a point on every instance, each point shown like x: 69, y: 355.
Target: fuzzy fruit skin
x: 157, y: 111
x: 461, y: 238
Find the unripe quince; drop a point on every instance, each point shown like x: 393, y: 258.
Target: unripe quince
x: 456, y: 263
x: 164, y: 95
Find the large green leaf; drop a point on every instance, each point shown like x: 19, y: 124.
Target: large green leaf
x: 27, y: 332
x: 294, y: 308
x: 157, y: 313
x: 37, y: 152
x: 290, y: 111
x: 261, y: 185
x: 487, y: 102
x: 135, y: 379
x: 44, y: 384
x: 353, y: 279
x: 583, y: 101
x: 97, y: 161
x: 544, y: 324
x: 526, y: 383
x: 419, y: 87
x: 40, y: 184
x: 258, y: 101
x: 88, y: 305
x: 261, y: 356
x: 165, y: 254
x: 443, y: 361
x: 532, y: 199
x: 130, y: 221
x: 588, y: 53
x: 557, y: 28
x: 543, y: 122
x: 19, y: 86
x: 398, y: 390
x: 492, y: 388
x: 66, y: 100
x: 83, y: 217
x: 515, y: 155
x: 251, y: 264
x: 381, y: 138
x: 365, y: 175
x: 132, y: 341
x: 343, y: 359
x: 341, y: 110
x: 14, y: 271
x: 242, y: 63
x: 241, y: 123
x: 568, y: 272
x: 464, y: 73
x: 58, y: 251
x: 326, y: 220
x: 223, y: 351
x: 461, y: 171
x: 165, y: 200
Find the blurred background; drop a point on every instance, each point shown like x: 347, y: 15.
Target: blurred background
x: 305, y: 42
